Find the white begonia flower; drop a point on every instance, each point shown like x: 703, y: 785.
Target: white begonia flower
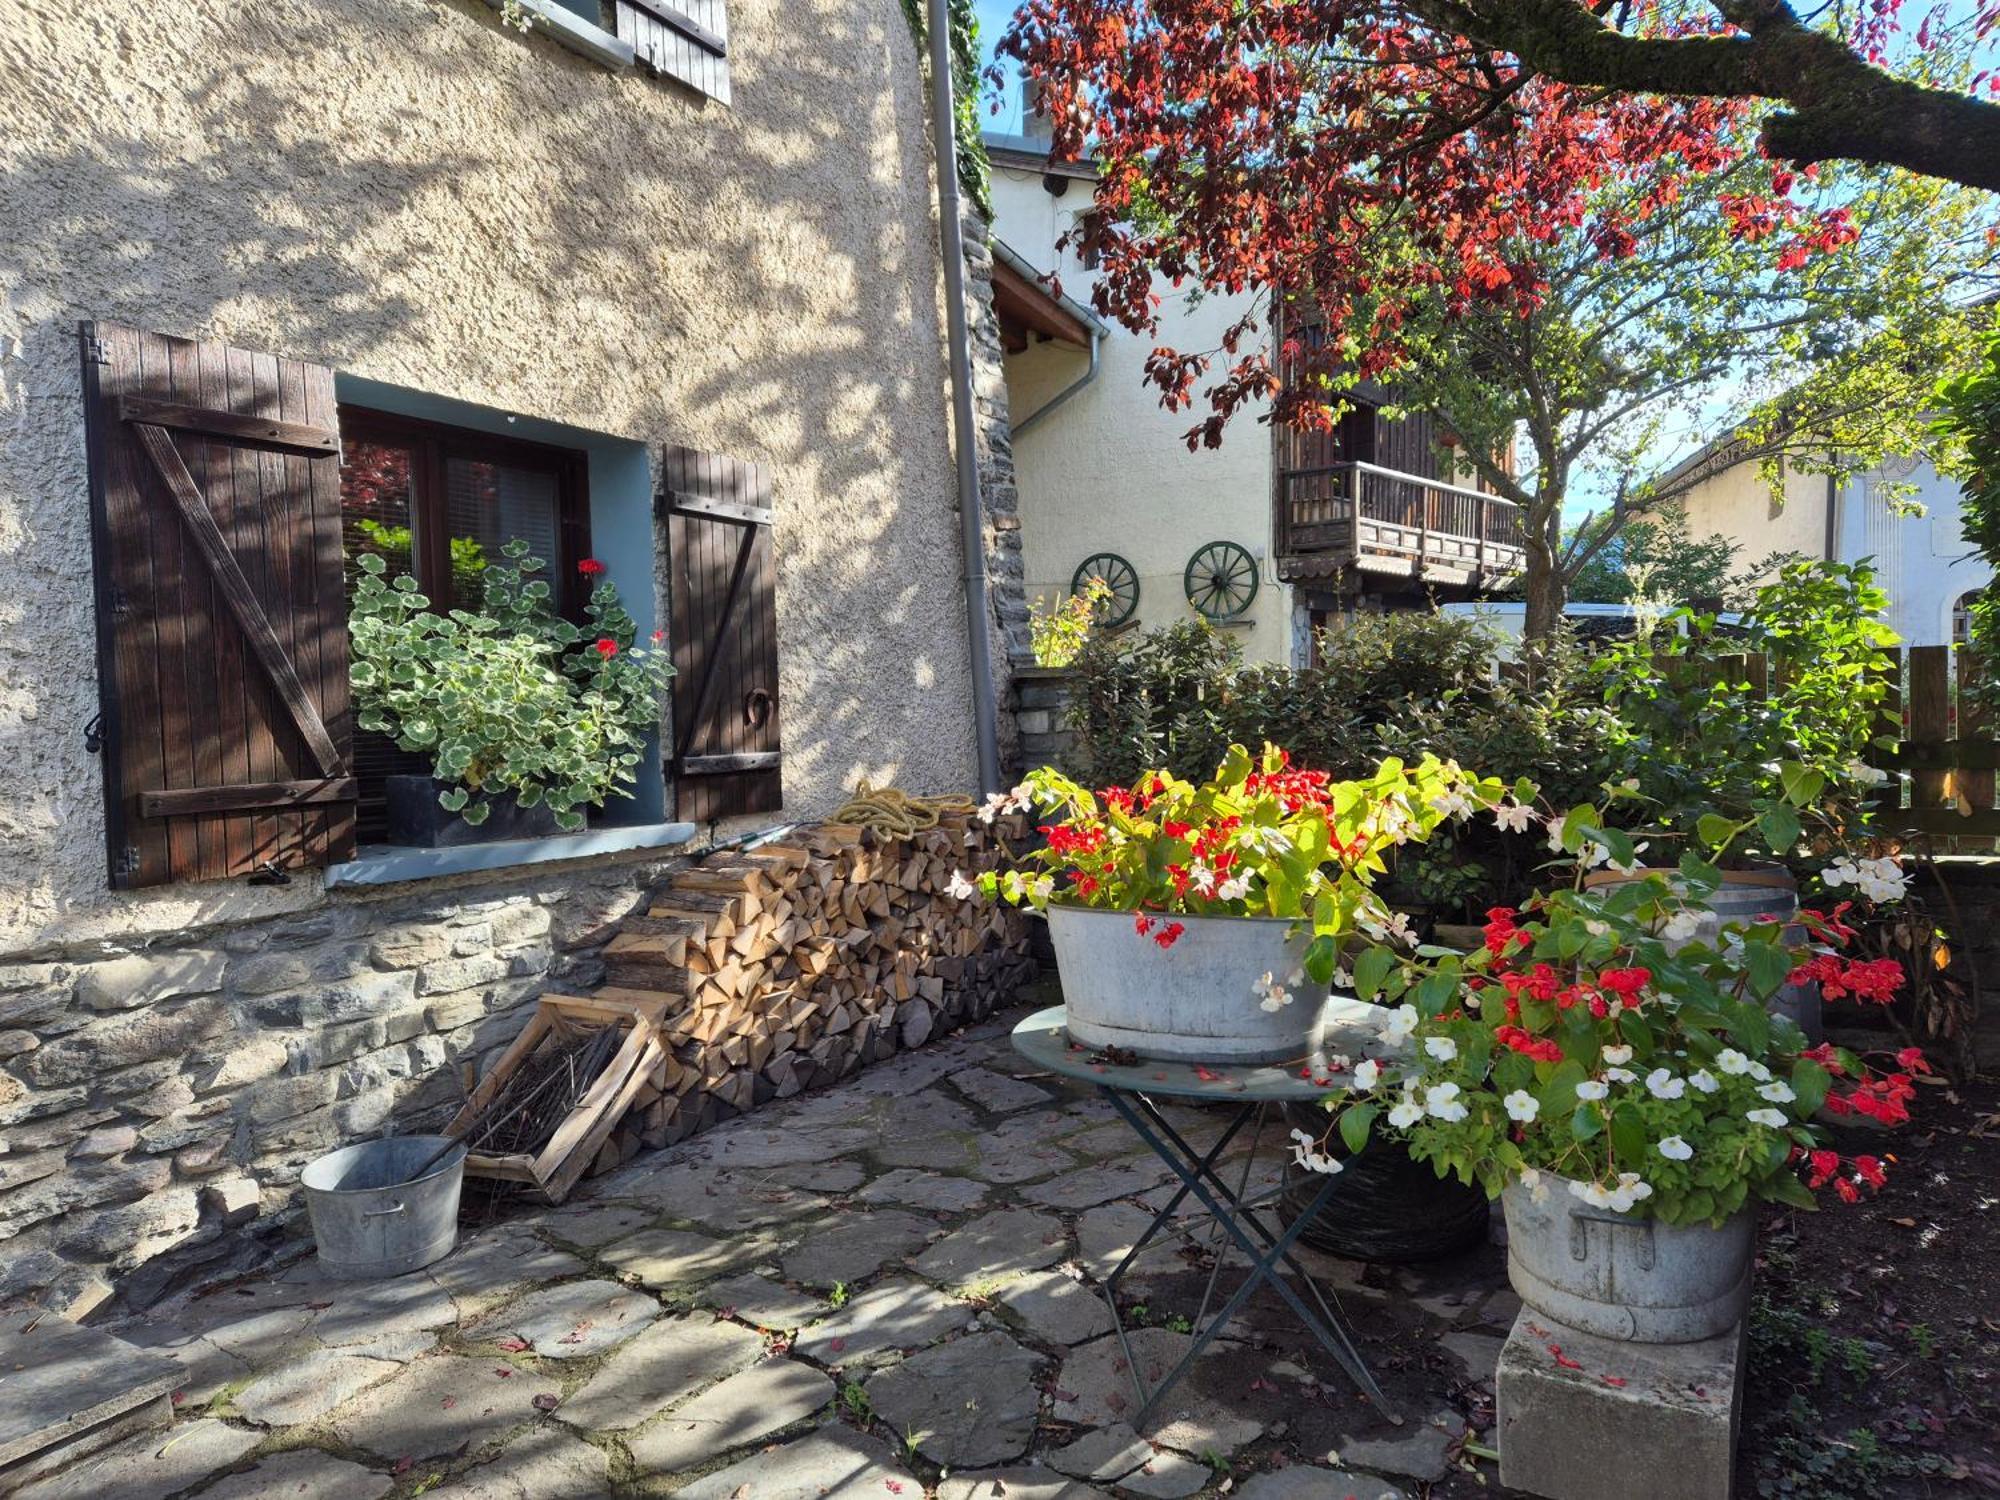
x: 1306, y: 1152
x: 1732, y: 1062
x: 1532, y: 1181
x: 1399, y: 1024
x: 1272, y: 996
x: 1296, y: 978
x: 1513, y: 817
x: 1453, y: 804
x: 1621, y: 1075
x: 1261, y: 840
x: 1770, y: 1117
x: 1202, y: 878
x: 1591, y: 1088
x: 1777, y: 1091
x: 1386, y: 925
x: 1342, y: 980
x: 1682, y: 925
x: 1367, y: 1073
x: 1663, y: 1085
x: 1555, y: 835
x: 1521, y: 1106
x: 1629, y: 866
x: 1673, y: 1148
x: 1631, y: 1189
x: 1042, y: 887
x: 1441, y: 1100
x: 992, y: 807
x: 1596, y: 1194
x: 1592, y: 854
x: 960, y: 888
x: 1704, y: 1080
x: 1407, y: 1110
x: 1759, y: 1073
x: 1877, y: 879
x: 1617, y: 1053
x: 1235, y: 888
x: 1860, y: 772
x: 1443, y: 1048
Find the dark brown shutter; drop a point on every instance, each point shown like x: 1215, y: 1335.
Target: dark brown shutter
x: 221, y: 616
x: 723, y: 625
x: 683, y: 39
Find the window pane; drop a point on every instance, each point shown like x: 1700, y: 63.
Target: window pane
x: 375, y: 502
x: 488, y: 505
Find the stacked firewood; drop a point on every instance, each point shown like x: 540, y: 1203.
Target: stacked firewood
x: 790, y: 965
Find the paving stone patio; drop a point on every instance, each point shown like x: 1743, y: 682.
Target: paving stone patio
x: 886, y: 1289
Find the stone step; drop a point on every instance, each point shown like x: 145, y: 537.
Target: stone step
x: 67, y: 1391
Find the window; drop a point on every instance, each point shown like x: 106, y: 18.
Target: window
x: 1961, y: 617
x: 440, y: 503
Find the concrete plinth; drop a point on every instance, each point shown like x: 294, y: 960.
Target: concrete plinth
x: 1586, y: 1418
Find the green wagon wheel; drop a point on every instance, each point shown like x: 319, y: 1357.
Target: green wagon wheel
x: 1221, y: 580
x: 1122, y: 579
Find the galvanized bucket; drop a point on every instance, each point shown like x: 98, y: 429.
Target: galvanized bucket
x: 1620, y: 1277
x: 368, y: 1221
x: 1195, y: 1001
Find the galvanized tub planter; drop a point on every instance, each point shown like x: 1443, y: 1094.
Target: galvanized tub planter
x: 1195, y: 1001
x: 1760, y: 893
x: 368, y: 1221
x: 1626, y: 1278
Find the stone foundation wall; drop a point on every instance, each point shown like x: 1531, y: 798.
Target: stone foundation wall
x: 151, y: 1099
x: 1042, y: 699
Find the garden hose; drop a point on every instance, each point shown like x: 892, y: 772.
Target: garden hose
x: 895, y: 814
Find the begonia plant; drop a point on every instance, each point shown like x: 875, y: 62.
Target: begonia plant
x: 1259, y: 838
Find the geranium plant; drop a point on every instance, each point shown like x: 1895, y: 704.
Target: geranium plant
x: 1259, y: 838
x: 510, y: 699
x: 1575, y: 1045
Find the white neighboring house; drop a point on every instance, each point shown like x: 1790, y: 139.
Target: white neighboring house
x: 1928, y: 569
x: 1270, y: 534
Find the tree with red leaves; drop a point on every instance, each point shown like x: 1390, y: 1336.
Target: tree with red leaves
x: 1512, y: 246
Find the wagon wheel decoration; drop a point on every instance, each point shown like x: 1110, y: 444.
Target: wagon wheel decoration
x: 1119, y: 576
x: 1221, y: 580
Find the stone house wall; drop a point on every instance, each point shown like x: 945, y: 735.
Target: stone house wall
x: 413, y: 193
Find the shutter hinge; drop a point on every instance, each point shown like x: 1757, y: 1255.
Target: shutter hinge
x: 118, y: 602
x: 93, y: 735
x: 96, y: 350
x: 128, y: 861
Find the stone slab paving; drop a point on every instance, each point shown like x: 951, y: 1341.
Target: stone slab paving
x: 887, y: 1289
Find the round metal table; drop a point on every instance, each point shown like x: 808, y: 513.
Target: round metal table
x: 1131, y: 1087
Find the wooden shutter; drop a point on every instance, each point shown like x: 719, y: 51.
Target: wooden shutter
x: 683, y: 39
x: 221, y: 615
x: 723, y: 625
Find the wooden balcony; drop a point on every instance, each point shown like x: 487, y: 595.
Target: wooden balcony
x: 1386, y: 522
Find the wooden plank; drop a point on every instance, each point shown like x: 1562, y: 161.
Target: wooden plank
x: 329, y: 597
x: 1929, y: 721
x: 236, y: 426
x: 191, y: 801
x: 268, y: 762
x: 237, y: 593
x: 746, y: 760
x: 184, y: 594
x: 231, y: 727
x: 678, y: 20
x: 1974, y: 784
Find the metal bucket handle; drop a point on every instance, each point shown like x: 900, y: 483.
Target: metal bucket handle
x: 1582, y: 1216
x: 383, y: 1213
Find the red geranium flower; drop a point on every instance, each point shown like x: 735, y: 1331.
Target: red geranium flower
x: 590, y: 567
x: 606, y: 647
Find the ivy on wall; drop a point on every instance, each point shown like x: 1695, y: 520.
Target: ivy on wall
x: 973, y: 167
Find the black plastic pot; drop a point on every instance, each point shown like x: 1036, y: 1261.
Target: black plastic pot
x: 417, y: 820
x: 1384, y: 1207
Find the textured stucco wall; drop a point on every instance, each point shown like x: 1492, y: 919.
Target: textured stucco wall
x: 1736, y: 503
x: 408, y: 191
x: 1109, y: 471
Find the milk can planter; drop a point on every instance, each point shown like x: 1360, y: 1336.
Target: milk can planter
x: 1623, y: 1277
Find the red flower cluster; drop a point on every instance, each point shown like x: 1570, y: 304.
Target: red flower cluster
x: 1823, y: 1167
x: 1166, y: 934
x: 1501, y: 933
x: 1295, y: 790
x: 1541, y: 1049
x: 590, y: 567
x: 1074, y: 842
x: 606, y: 647
x: 1875, y: 980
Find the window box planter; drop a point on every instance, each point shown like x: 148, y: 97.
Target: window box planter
x: 416, y: 819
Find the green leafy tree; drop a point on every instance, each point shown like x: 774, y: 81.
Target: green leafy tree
x: 1970, y: 432
x: 1657, y: 562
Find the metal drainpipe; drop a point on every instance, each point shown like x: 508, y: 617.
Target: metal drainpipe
x: 971, y: 514
x: 1076, y: 385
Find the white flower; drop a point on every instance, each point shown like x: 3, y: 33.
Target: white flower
x: 1260, y: 840
x: 1618, y: 1053
x: 1630, y: 1190
x: 1778, y: 1092
x: 1453, y: 804
x: 1202, y: 878
x: 1663, y: 1085
x: 1704, y: 1080
x: 960, y: 888
x: 1629, y: 866
x: 1673, y: 1148
x: 1306, y: 1152
x: 1769, y: 1117
x: 1441, y: 1100
x: 1555, y: 835
x: 1443, y: 1048
x: 1621, y: 1075
x: 1272, y: 996
x: 1382, y: 925
x: 1532, y: 1181
x: 1513, y: 817
x: 1407, y: 1110
x: 1732, y: 1062
x: 1592, y: 1193
x: 1018, y: 800
x: 1296, y: 978
x: 1590, y: 1088
x: 1041, y: 887
x: 1759, y: 1073
x: 1235, y: 888
x: 1877, y: 879
x: 1399, y: 1024
x: 1866, y: 775
x: 1342, y: 980
x: 1682, y: 925
x: 995, y: 803
x: 1522, y: 1106
x: 1367, y: 1073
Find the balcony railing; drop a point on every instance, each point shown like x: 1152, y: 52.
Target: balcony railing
x: 1384, y: 521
